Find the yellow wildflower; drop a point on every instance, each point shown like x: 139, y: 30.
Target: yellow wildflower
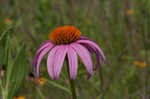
x: 140, y: 63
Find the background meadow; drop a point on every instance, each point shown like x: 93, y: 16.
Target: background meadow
x: 120, y: 27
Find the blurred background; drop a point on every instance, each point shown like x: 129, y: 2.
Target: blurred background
x: 120, y: 27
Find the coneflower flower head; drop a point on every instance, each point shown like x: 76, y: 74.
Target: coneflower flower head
x: 67, y: 42
x: 65, y: 35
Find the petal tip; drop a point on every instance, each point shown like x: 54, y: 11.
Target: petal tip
x: 88, y: 76
x: 72, y: 78
x: 54, y: 78
x: 106, y: 61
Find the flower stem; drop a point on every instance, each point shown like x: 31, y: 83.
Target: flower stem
x: 72, y: 85
x: 40, y: 93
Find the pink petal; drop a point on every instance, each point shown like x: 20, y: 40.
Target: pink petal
x: 55, y: 60
x: 94, y: 46
x: 97, y: 54
x: 40, y: 57
x: 73, y: 62
x: 85, y: 56
x: 42, y: 46
x: 50, y: 61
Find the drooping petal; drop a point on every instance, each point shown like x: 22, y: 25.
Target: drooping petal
x: 50, y: 61
x: 73, y: 62
x: 59, y: 60
x: 42, y: 46
x: 55, y: 60
x: 97, y: 54
x: 84, y: 55
x: 40, y: 57
x: 98, y: 58
x: 93, y: 46
x: 45, y: 43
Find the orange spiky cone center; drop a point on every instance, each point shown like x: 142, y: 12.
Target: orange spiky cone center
x: 65, y: 35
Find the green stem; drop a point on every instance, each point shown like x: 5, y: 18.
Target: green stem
x: 59, y: 86
x: 5, y: 95
x: 101, y: 83
x: 40, y: 93
x: 3, y: 90
x: 72, y: 85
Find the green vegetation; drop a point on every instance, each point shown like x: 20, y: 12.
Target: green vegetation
x: 120, y: 27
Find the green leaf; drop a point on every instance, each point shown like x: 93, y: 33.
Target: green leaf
x: 3, y: 42
x: 3, y: 54
x: 59, y: 86
x: 16, y: 72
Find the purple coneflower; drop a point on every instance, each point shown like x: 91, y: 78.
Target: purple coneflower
x: 67, y: 42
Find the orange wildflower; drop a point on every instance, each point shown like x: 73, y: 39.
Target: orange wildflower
x: 130, y: 12
x: 140, y: 63
x: 19, y: 97
x: 41, y: 81
x: 7, y: 21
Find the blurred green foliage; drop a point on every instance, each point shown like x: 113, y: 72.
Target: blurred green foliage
x: 13, y: 70
x: 120, y: 27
